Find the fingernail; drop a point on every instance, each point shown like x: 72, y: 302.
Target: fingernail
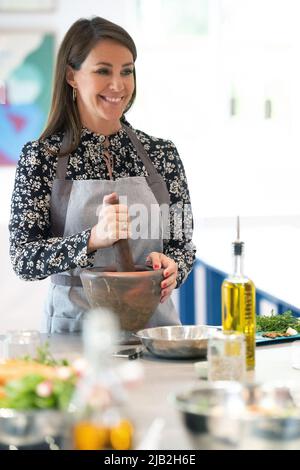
x: 164, y: 284
x: 166, y: 274
x: 156, y: 266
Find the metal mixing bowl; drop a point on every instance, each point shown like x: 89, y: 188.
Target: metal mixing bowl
x: 34, y: 429
x: 177, y: 342
x: 229, y: 415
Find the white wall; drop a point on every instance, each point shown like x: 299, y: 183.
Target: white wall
x: 66, y: 12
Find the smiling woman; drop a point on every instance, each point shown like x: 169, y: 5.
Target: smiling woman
x: 65, y: 215
x: 95, y: 61
x: 104, y: 85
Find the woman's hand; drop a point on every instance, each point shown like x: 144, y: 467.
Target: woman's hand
x: 113, y: 224
x: 158, y: 261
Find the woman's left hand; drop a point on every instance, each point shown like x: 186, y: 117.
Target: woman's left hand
x: 158, y: 261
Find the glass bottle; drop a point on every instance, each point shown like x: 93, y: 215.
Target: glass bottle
x: 238, y: 302
x: 98, y: 403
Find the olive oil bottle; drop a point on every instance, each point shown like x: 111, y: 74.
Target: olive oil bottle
x: 238, y: 302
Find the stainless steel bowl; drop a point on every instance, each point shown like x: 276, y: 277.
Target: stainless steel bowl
x: 177, y: 342
x: 229, y: 415
x: 34, y: 429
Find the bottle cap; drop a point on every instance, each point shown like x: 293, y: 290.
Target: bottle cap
x: 238, y: 245
x: 238, y: 248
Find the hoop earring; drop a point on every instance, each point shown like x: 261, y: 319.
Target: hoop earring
x: 74, y: 93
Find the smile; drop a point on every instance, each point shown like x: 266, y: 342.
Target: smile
x: 112, y: 100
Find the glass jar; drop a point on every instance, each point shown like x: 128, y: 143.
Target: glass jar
x: 227, y: 356
x: 18, y: 344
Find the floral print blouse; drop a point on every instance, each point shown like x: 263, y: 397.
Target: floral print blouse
x: 35, y: 253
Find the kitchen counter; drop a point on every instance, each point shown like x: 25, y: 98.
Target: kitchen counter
x: 163, y: 377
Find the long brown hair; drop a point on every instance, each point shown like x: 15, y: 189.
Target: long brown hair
x: 79, y: 40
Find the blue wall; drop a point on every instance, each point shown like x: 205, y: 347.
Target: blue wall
x: 212, y: 294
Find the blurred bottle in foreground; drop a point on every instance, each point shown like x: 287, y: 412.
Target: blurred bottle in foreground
x: 97, y: 406
x: 238, y: 302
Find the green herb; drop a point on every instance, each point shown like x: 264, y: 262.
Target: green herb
x: 44, y: 356
x: 279, y: 323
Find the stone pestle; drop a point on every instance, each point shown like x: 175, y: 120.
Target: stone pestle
x: 122, y: 251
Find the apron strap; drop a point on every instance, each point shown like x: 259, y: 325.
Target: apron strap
x: 155, y: 181
x: 61, y: 167
x: 59, y: 204
x: 140, y: 150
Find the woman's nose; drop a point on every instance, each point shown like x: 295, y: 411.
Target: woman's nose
x: 116, y: 83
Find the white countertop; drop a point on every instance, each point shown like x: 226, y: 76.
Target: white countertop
x: 151, y: 399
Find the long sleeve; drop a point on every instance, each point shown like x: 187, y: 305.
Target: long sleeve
x: 34, y: 253
x: 179, y: 245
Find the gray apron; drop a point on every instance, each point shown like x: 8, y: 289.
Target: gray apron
x: 74, y: 208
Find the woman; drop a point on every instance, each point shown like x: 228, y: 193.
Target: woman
x: 87, y: 154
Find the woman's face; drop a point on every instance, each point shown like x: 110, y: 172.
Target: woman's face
x: 104, y: 83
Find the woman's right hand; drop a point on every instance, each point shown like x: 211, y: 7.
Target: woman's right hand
x: 113, y: 224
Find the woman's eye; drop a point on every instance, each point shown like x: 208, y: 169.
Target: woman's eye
x: 127, y: 71
x: 103, y: 71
